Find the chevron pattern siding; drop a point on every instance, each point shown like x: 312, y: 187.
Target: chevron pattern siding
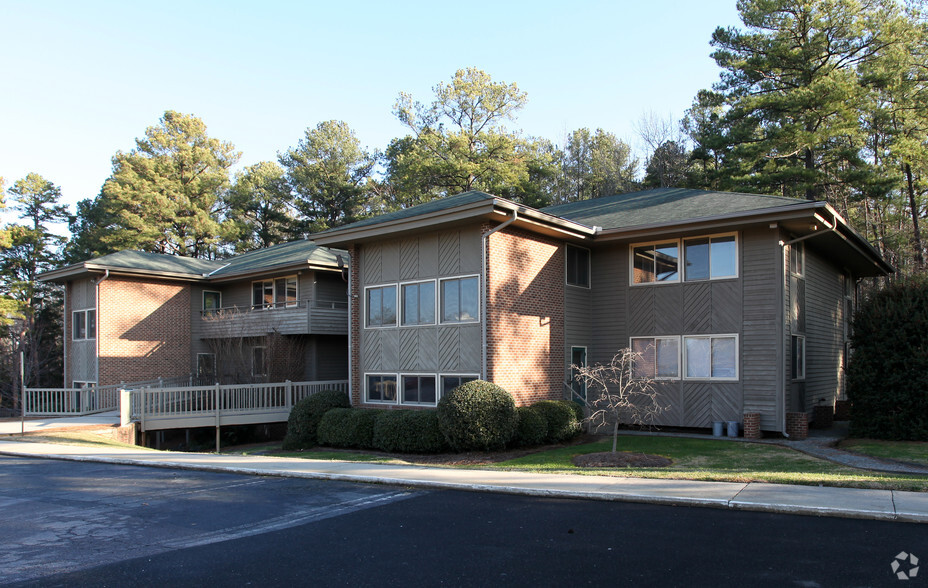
x: 409, y: 350
x: 409, y: 259
x: 640, y: 312
x: 697, y: 308
x: 449, y: 348
x: 372, y: 265
x: 726, y: 402
x: 372, y: 351
x: 449, y: 253
x: 726, y: 307
x: 668, y: 310
x: 697, y: 404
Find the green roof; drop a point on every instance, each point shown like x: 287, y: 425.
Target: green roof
x: 436, y: 205
x: 156, y: 262
x: 664, y: 205
x: 292, y: 253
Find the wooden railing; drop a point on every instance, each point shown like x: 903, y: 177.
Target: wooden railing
x: 217, y: 405
x: 70, y: 401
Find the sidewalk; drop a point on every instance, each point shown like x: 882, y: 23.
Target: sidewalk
x: 14, y: 426
x: 780, y: 498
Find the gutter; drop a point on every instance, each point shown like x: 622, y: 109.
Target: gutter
x: 485, y: 242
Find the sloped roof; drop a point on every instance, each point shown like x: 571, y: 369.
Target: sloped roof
x: 285, y: 254
x: 665, y: 205
x: 436, y: 205
x: 154, y: 262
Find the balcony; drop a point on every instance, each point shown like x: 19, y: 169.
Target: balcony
x: 321, y: 318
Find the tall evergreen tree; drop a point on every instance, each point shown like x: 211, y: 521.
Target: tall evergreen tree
x: 596, y: 164
x: 259, y: 210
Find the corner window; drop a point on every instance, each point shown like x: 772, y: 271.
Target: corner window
x: 84, y: 324
x: 658, y: 357
x: 277, y: 293
x: 380, y: 302
x: 419, y: 390
x: 578, y: 266
x: 798, y: 354
x: 656, y: 263
x: 418, y: 304
x: 711, y: 357
x: 381, y: 388
x: 710, y: 258
x: 797, y: 259
x: 212, y: 301
x: 449, y: 382
x: 459, y: 300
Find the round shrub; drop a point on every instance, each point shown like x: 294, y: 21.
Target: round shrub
x: 477, y: 415
x: 348, y: 427
x: 561, y: 418
x: 408, y: 431
x: 532, y: 427
x: 577, y: 408
x: 306, y: 414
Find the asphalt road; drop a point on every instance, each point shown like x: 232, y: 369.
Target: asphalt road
x: 84, y: 524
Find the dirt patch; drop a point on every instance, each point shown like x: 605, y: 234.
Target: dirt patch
x: 620, y: 459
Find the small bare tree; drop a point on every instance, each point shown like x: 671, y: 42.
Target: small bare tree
x: 624, y: 394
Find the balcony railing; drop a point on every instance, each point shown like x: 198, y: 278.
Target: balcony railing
x: 295, y: 318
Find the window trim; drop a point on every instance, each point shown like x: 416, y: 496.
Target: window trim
x: 274, y: 305
x: 710, y: 337
x: 442, y: 375
x: 800, y: 247
x: 589, y: 266
x: 401, y: 388
x: 86, y: 384
x: 439, y: 309
x: 570, y: 370
x: 737, y: 263
x: 795, y: 376
x: 367, y: 399
x: 401, y: 306
x: 263, y: 349
x: 89, y: 334
x: 396, y: 306
x: 655, y: 338
x: 681, y: 259
x: 654, y: 243
x: 212, y: 310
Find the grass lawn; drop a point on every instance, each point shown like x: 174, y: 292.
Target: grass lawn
x: 912, y: 451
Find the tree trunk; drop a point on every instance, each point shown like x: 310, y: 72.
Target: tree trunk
x: 913, y: 205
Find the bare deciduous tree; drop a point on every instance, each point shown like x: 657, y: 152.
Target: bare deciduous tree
x: 621, y: 394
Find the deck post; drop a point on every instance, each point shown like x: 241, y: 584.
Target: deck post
x: 288, y: 392
x: 217, y: 417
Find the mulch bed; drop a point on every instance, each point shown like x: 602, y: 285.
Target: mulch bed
x: 620, y: 459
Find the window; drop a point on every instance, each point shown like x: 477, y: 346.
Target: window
x: 711, y: 357
x: 459, y: 300
x: 577, y: 360
x: 206, y: 365
x: 655, y: 263
x: 798, y: 354
x: 258, y: 361
x: 449, y: 383
x: 84, y: 324
x: 277, y: 293
x: 797, y: 259
x: 381, y: 306
x: 418, y: 303
x: 710, y: 258
x: 81, y: 385
x: 578, y: 266
x: 212, y: 301
x: 419, y: 390
x: 658, y: 357
x: 381, y: 388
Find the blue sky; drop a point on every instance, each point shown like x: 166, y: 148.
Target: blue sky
x: 81, y: 80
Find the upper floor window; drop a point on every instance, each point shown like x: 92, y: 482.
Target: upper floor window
x: 276, y: 293
x: 459, y: 300
x: 578, y: 266
x: 84, y: 324
x: 797, y: 259
x: 381, y: 306
x: 212, y: 301
x: 691, y: 259
x: 709, y: 258
x: 657, y: 262
x: 418, y: 303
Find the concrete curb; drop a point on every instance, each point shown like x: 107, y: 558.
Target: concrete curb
x: 733, y: 503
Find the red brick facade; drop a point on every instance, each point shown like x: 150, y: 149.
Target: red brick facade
x: 144, y: 330
x: 354, y: 328
x: 525, y: 315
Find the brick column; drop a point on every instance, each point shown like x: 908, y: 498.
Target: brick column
x: 797, y: 425
x: 752, y: 425
x: 354, y: 300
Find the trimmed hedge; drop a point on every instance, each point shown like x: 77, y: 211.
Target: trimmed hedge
x: 887, y: 378
x: 408, y: 431
x: 477, y: 415
x: 532, y: 427
x: 306, y: 415
x: 348, y: 427
x: 561, y: 417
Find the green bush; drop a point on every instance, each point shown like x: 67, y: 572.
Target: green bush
x: 348, y: 427
x: 408, y: 431
x: 532, y: 427
x: 561, y: 418
x: 577, y: 408
x: 477, y: 415
x: 306, y: 414
x: 887, y: 381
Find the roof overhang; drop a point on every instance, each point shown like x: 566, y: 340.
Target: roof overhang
x: 88, y: 268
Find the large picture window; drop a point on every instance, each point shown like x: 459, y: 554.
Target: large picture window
x: 276, y: 293
x: 381, y: 388
x: 84, y: 324
x: 712, y: 257
x: 381, y: 306
x: 658, y: 357
x: 711, y: 357
x: 459, y: 300
x: 658, y: 262
x: 418, y: 303
x: 578, y: 266
x: 419, y: 390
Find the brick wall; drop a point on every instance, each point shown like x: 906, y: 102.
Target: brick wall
x: 525, y: 315
x: 144, y: 330
x: 354, y: 300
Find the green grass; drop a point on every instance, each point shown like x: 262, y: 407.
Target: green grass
x: 910, y: 451
x: 698, y: 459
x: 338, y: 456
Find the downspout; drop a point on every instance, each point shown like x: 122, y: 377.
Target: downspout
x: 66, y: 336
x: 349, y: 266
x: 485, y: 241
x: 96, y: 335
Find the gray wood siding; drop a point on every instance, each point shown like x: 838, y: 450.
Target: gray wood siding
x: 578, y: 322
x: 82, y: 360
x: 427, y: 348
x: 824, y: 329
x: 83, y: 294
x: 609, y: 294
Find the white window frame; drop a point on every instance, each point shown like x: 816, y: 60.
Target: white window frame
x: 401, y: 303
x: 710, y: 237
x: 263, y: 349
x: 681, y: 259
x: 89, y: 334
x: 655, y: 339
x: 396, y: 306
x: 203, y: 300
x: 797, y: 375
x: 800, y: 249
x: 570, y: 370
x: 367, y: 398
x: 82, y: 384
x: 589, y: 266
x: 441, y: 376
x: 440, y: 308
x: 401, y: 388
x: 710, y: 337
x: 273, y: 282
x: 654, y: 243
